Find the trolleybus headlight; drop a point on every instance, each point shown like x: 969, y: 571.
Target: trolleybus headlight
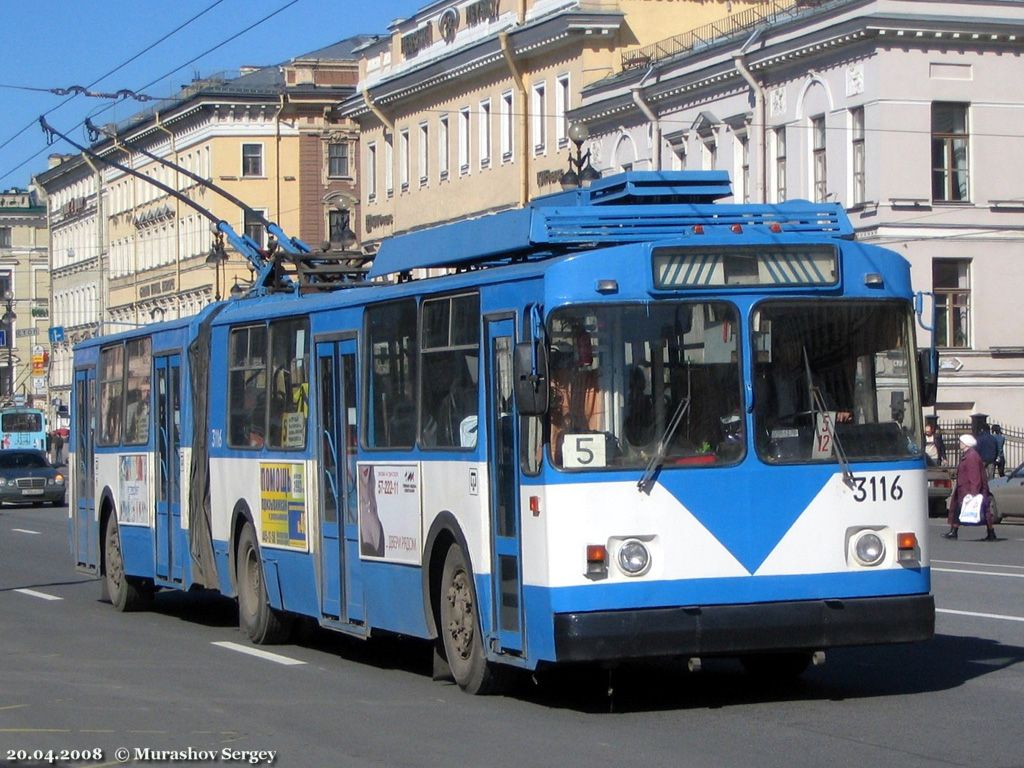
x: 869, y: 549
x: 634, y: 557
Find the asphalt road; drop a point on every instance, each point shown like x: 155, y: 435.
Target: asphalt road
x: 77, y: 675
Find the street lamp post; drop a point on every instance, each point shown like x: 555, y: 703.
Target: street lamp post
x: 217, y: 256
x: 8, y: 321
x: 580, y: 172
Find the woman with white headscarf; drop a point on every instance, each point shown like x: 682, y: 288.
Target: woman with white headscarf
x: 970, y: 479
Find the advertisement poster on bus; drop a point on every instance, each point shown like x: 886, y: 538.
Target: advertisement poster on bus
x: 133, y: 491
x: 389, y: 512
x: 283, y: 505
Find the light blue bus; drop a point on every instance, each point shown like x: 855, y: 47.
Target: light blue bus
x: 630, y: 422
x: 22, y: 427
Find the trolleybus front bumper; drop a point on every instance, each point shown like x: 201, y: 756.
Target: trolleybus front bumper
x: 736, y: 629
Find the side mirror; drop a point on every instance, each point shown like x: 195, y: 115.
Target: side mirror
x: 928, y: 375
x: 530, y: 371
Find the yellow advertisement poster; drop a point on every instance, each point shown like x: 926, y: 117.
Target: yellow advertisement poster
x: 283, y: 504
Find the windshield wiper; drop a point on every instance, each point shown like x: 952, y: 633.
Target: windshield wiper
x: 818, y: 407
x: 646, y: 482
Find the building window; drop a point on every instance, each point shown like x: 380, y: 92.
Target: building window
x: 949, y: 152
x: 561, y: 107
x: 252, y: 160
x: 253, y: 227
x: 423, y: 153
x: 5, y: 237
x: 540, y: 134
x: 857, y: 139
x: 464, y: 141
x: 951, y: 283
x: 337, y: 160
x: 371, y: 172
x: 443, y: 150
x: 709, y: 154
x: 507, y: 126
x: 818, y: 159
x: 389, y: 165
x: 403, y: 159
x: 485, y: 133
x: 744, y: 162
x: 780, y: 165
x: 340, y: 233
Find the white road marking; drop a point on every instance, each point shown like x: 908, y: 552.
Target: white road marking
x: 979, y: 573
x: 267, y: 655
x: 981, y: 615
x: 980, y: 565
x: 40, y: 595
x: 25, y: 530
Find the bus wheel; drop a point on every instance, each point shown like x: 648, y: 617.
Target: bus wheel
x: 776, y: 666
x: 258, y: 620
x: 124, y: 592
x: 460, y: 628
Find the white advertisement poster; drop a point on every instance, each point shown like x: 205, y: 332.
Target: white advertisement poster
x: 389, y: 512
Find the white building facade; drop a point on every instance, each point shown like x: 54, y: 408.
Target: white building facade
x: 909, y: 113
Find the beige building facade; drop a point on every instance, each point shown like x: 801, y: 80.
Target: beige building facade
x: 24, y: 299
x: 462, y: 108
x: 128, y: 252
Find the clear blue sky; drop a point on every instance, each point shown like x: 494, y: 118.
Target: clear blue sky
x: 63, y: 43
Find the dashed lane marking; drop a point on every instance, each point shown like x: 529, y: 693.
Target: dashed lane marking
x: 40, y: 595
x: 265, y: 655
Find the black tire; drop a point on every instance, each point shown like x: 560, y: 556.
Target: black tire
x: 124, y: 592
x: 460, y: 629
x: 777, y: 667
x: 262, y: 624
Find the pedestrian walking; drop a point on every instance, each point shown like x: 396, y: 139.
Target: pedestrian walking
x: 1000, y: 438
x: 971, y: 480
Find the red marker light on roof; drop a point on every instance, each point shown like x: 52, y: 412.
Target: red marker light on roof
x: 736, y: 228
x: 698, y: 229
x: 775, y: 227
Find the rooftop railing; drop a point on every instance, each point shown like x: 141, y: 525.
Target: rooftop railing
x: 734, y: 25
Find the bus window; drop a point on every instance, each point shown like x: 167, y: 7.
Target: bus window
x: 622, y: 375
x: 247, y: 387
x: 289, y: 386
x: 111, y: 394
x: 139, y: 365
x: 391, y: 375
x: 450, y: 359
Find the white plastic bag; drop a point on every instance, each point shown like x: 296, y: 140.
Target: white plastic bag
x: 970, y: 508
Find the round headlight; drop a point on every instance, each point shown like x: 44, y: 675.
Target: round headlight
x: 634, y: 558
x: 869, y: 549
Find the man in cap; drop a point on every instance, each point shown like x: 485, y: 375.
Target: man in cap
x: 970, y: 479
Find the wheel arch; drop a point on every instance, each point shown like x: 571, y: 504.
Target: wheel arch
x: 107, y: 507
x: 240, y: 516
x: 444, y: 531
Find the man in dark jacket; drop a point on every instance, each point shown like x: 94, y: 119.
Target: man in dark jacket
x: 987, y: 449
x: 970, y: 479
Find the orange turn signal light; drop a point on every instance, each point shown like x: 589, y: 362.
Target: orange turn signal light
x: 906, y: 540
x: 596, y: 553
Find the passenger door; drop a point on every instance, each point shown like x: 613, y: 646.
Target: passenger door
x: 340, y: 581
x: 86, y: 527
x: 503, y: 468
x: 169, y: 557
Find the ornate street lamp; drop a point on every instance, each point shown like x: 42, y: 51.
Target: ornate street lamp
x: 581, y: 173
x: 217, y: 256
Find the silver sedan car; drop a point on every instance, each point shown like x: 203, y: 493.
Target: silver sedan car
x: 1008, y: 494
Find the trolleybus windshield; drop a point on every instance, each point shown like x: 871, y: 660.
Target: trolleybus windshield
x: 621, y: 373
x: 828, y: 371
